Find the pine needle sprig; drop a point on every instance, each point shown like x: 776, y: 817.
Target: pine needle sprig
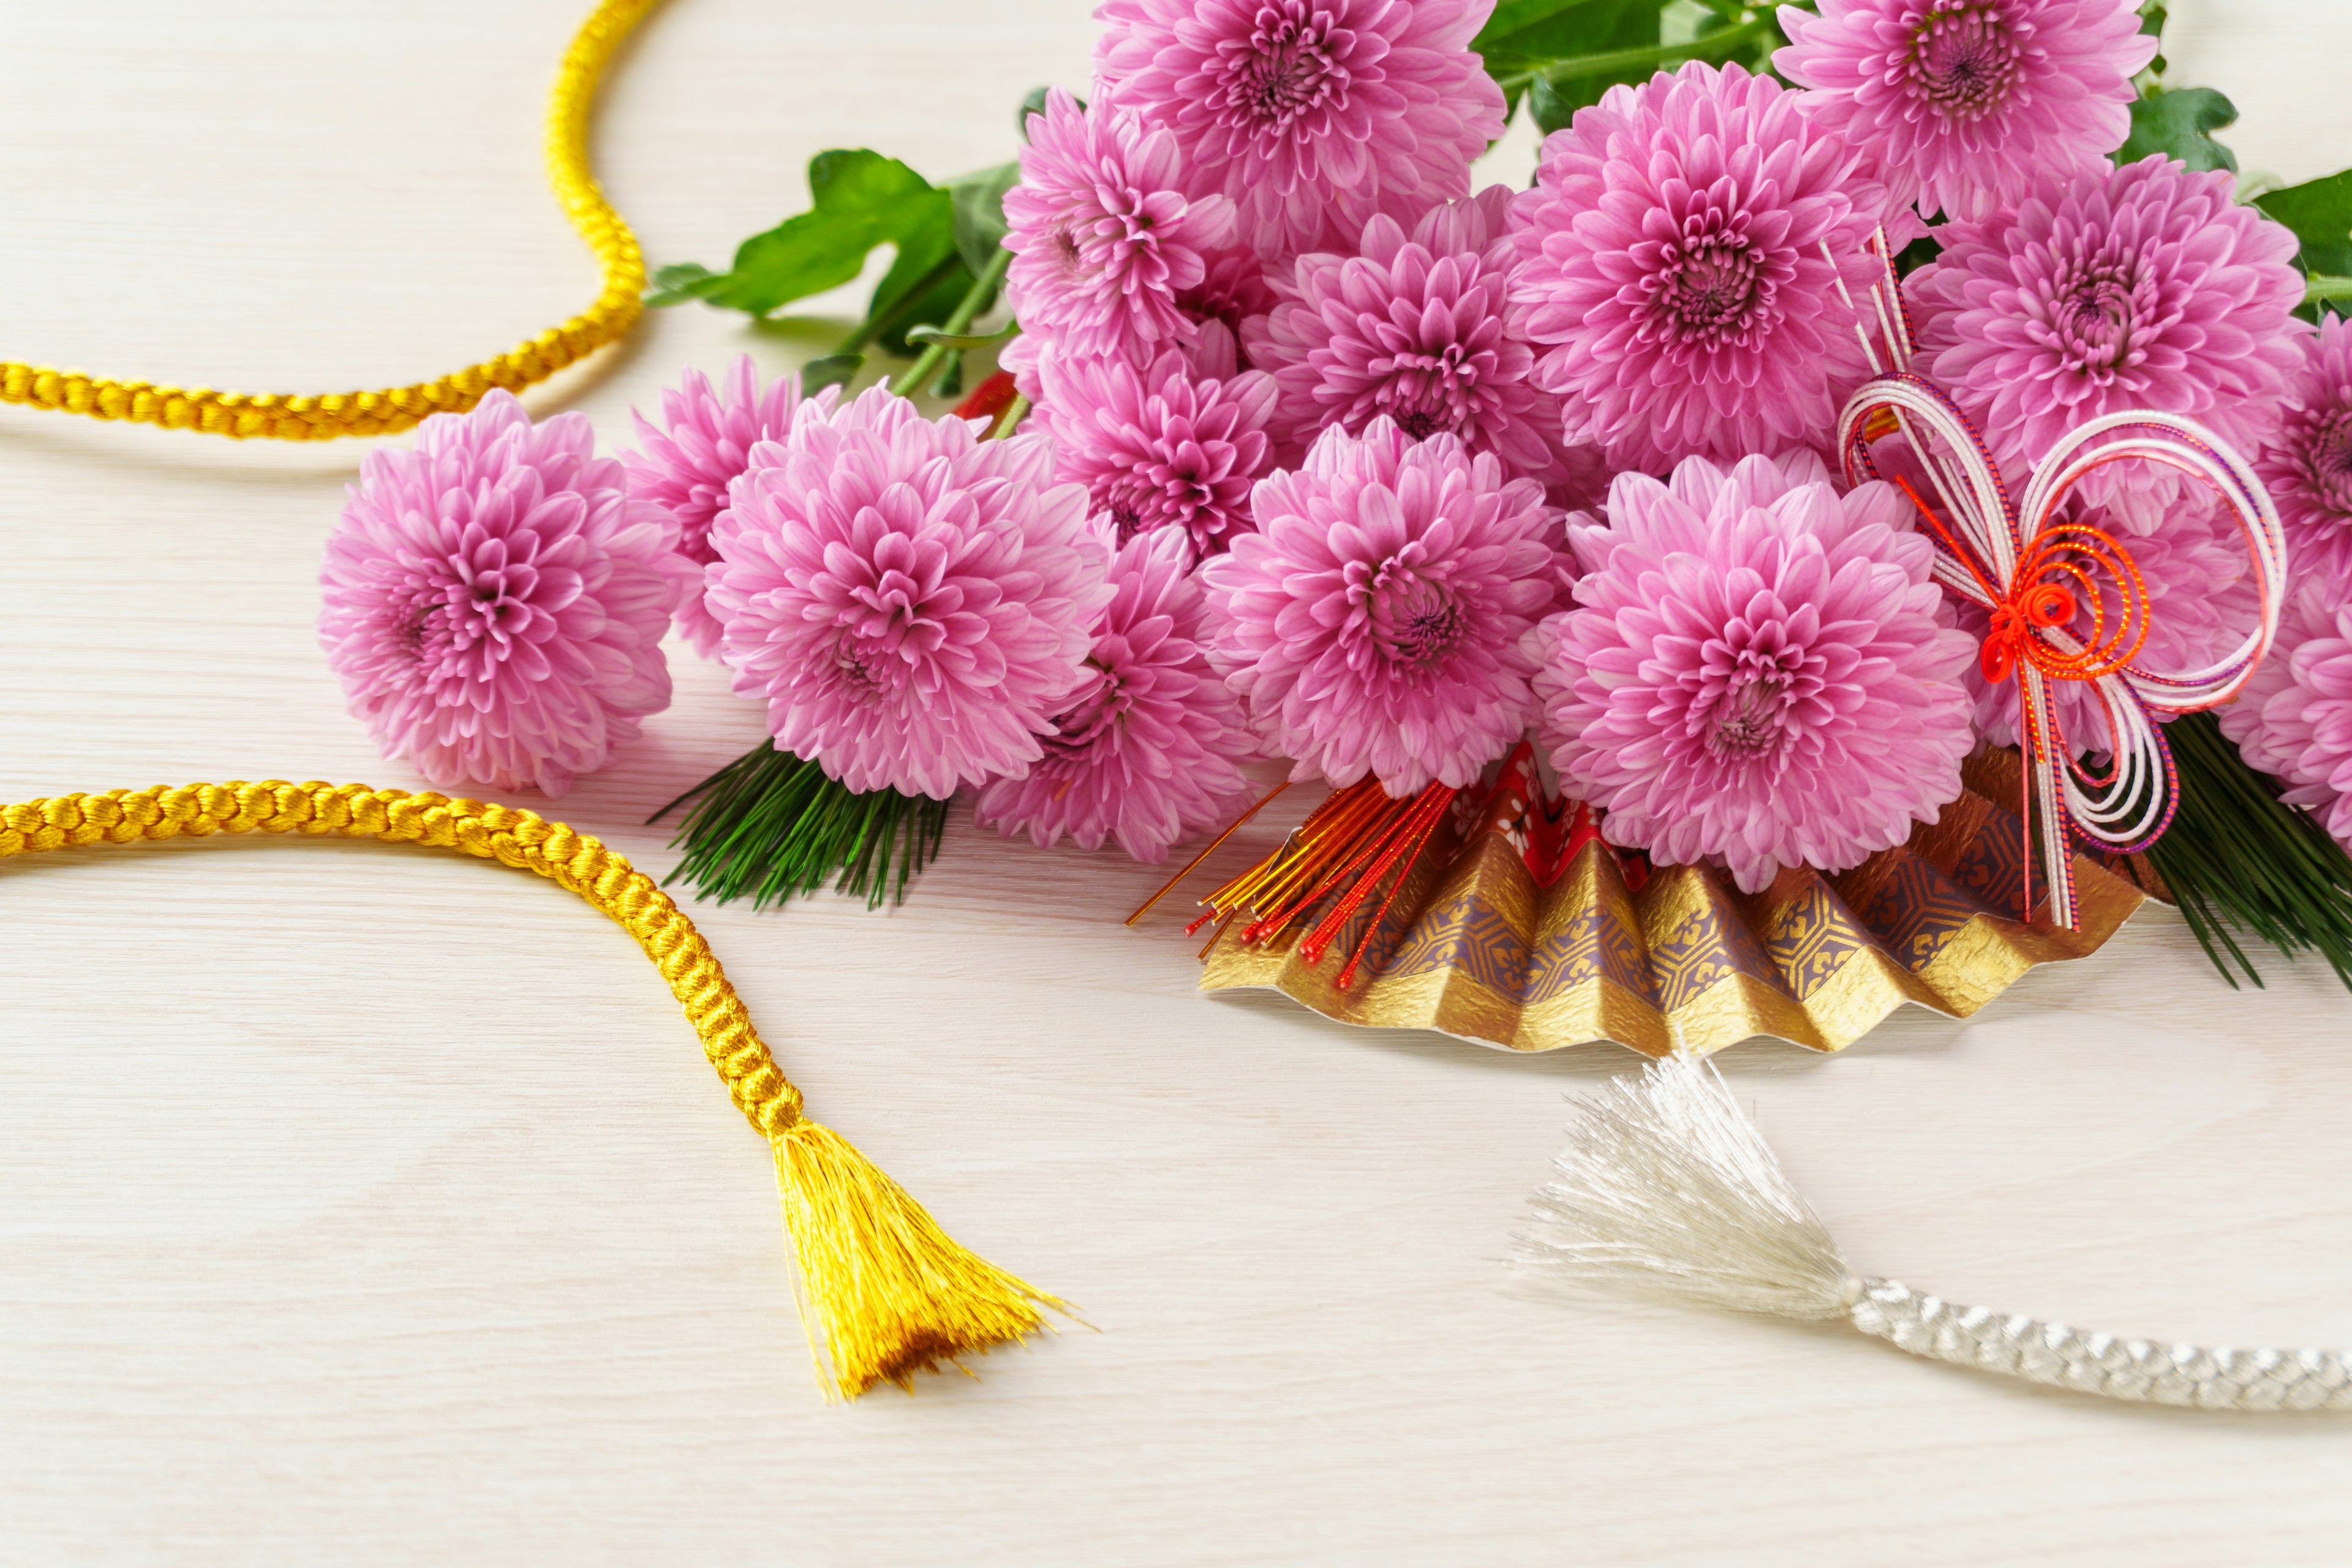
x: 2238, y: 858
x: 772, y: 825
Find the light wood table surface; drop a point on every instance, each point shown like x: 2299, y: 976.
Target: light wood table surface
x: 359, y: 1205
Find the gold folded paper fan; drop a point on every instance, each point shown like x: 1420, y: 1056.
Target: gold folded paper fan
x: 1514, y: 925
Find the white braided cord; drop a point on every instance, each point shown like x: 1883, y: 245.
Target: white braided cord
x: 2099, y: 1363
x: 1667, y: 1190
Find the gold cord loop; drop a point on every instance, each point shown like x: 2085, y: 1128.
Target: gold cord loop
x: 286, y: 416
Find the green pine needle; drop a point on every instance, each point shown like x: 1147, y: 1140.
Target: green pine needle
x: 2238, y: 858
x: 772, y: 825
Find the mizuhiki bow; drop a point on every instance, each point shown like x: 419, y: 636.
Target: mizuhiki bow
x: 2038, y: 576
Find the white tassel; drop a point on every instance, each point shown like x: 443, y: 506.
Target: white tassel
x: 1667, y: 1191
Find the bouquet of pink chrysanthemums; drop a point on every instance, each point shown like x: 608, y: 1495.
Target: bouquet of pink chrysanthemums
x: 1300, y: 446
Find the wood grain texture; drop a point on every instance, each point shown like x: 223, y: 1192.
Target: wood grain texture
x: 367, y: 1207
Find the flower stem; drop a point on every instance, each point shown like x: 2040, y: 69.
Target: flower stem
x: 2318, y: 287
x: 1616, y: 60
x: 878, y: 326
x: 1010, y: 420
x: 975, y: 301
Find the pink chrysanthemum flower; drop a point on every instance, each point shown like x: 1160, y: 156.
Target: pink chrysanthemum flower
x: 2142, y: 286
x: 494, y: 601
x: 1761, y: 673
x: 2294, y: 721
x: 1311, y: 115
x: 1967, y: 104
x: 914, y: 604
x: 1372, y: 624
x: 1681, y: 254
x: 1157, y: 448
x: 1148, y: 752
x: 1103, y: 234
x: 684, y: 465
x: 1414, y: 328
x: 2308, y: 469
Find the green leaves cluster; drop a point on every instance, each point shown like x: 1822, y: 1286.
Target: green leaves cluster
x: 943, y: 238
x: 2320, y: 213
x: 2239, y: 860
x: 1559, y: 56
x: 2179, y: 124
x: 771, y: 826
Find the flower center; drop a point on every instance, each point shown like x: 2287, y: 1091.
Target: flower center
x: 1711, y: 289
x: 2331, y: 463
x: 1062, y: 245
x: 1747, y: 683
x: 1745, y: 719
x: 1081, y: 726
x: 1413, y: 620
x: 1964, y: 61
x: 861, y: 665
x: 1283, y: 70
x: 2093, y: 316
x: 1426, y: 393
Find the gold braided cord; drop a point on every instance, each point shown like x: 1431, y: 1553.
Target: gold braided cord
x: 286, y: 416
x: 886, y: 1291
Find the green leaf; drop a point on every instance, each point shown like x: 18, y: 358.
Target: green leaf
x: 925, y: 337
x: 859, y: 200
x: 978, y: 211
x: 681, y: 281
x: 1516, y: 16
x: 2176, y: 123
x: 1594, y: 27
x: 833, y: 369
x: 2320, y: 213
x: 2151, y: 24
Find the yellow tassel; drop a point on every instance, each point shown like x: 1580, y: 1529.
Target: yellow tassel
x: 884, y: 1292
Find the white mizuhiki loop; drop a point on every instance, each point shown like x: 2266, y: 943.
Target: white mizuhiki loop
x: 1667, y: 1191
x: 2132, y: 803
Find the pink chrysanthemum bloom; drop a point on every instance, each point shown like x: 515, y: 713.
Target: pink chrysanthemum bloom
x: 1157, y: 448
x: 914, y: 604
x: 1673, y: 256
x: 1372, y: 624
x: 684, y: 463
x: 1761, y: 673
x: 1103, y: 234
x: 1967, y: 104
x: 1311, y: 115
x: 2294, y: 721
x: 2308, y: 469
x: 1413, y: 326
x: 495, y: 602
x: 2202, y: 602
x: 2142, y: 286
x: 1147, y: 754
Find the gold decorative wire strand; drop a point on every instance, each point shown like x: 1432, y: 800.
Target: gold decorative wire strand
x: 303, y: 417
x: 885, y: 1292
